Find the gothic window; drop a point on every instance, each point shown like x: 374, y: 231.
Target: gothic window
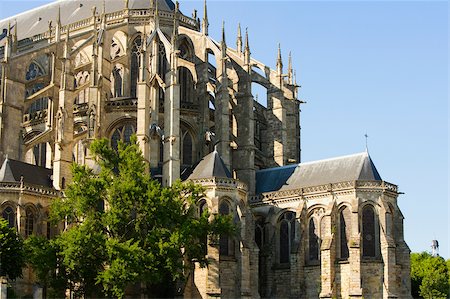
x: 162, y: 61
x: 186, y: 85
x: 122, y: 133
x: 390, y: 225
x: 80, y: 80
x: 29, y: 221
x: 135, y: 61
x: 259, y: 232
x: 344, y: 232
x: 313, y: 238
x: 116, y: 49
x: 10, y: 217
x: 40, y: 154
x: 225, y: 243
x: 202, y: 208
x: 117, y: 81
x: 34, y: 71
x: 186, y: 147
x: 37, y: 110
x: 369, y: 232
x: 286, y: 235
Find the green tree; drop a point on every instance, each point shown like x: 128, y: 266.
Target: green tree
x: 11, y: 252
x: 429, y: 276
x: 127, y: 229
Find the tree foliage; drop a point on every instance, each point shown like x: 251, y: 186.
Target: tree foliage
x: 12, y: 257
x: 124, y: 228
x: 429, y: 276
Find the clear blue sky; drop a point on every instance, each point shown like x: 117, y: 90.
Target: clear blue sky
x: 375, y: 67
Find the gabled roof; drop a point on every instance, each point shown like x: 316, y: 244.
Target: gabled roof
x: 347, y: 168
x: 211, y: 165
x: 13, y: 170
x: 35, y: 21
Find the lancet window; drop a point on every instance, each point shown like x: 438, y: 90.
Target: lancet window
x: 29, y: 221
x: 122, y: 133
x: 135, y: 64
x: 80, y: 80
x: 226, y: 244
x: 313, y: 239
x: 40, y: 154
x: 344, y: 232
x: 10, y: 217
x: 369, y: 232
x: 187, y: 148
x: 286, y: 236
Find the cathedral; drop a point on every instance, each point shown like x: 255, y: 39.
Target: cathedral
x: 75, y: 70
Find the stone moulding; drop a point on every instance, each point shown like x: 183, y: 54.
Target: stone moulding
x: 322, y: 191
x: 228, y: 183
x: 17, y: 187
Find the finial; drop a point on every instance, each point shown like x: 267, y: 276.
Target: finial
x: 290, y: 68
x: 367, y: 147
x: 239, y: 39
x: 177, y: 6
x: 156, y: 15
x: 94, y: 11
x: 151, y: 4
x: 104, y: 7
x: 205, y: 23
x: 175, y: 32
x: 247, y: 47
x: 223, y: 32
x: 126, y: 4
x: 279, y: 61
x: 58, y: 17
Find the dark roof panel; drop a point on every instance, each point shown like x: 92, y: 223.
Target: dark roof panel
x: 211, y: 165
x: 13, y: 170
x: 272, y: 179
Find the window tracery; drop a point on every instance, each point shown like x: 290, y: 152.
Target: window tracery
x: 34, y: 71
x: 29, y: 221
x: 286, y: 236
x: 116, y: 49
x: 369, y: 232
x: 187, y: 147
x: 344, y: 232
x: 10, y: 217
x: 313, y: 240
x: 135, y: 64
x: 81, y: 79
x: 122, y: 133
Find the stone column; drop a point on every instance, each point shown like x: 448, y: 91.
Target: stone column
x: 354, y: 259
x: 143, y: 107
x: 3, y: 287
x: 171, y: 167
x: 155, y: 141
x: 388, y: 248
x: 327, y: 258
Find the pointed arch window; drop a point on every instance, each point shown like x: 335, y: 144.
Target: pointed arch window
x: 313, y: 237
x: 122, y: 133
x: 259, y: 232
x: 369, y: 232
x: 29, y: 221
x: 226, y: 244
x: 186, y: 86
x: 34, y: 71
x: 286, y: 236
x: 80, y: 81
x: 344, y: 233
x: 10, y: 217
x: 135, y: 64
x: 187, y: 147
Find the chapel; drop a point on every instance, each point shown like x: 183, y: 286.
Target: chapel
x: 76, y: 70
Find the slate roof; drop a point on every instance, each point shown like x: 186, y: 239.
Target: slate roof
x: 13, y: 170
x: 211, y: 165
x: 35, y: 21
x: 346, y: 168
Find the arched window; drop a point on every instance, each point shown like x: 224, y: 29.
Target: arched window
x: 10, y: 217
x: 81, y: 79
x: 29, y: 221
x: 186, y: 86
x: 313, y: 237
x: 122, y: 133
x: 369, y: 232
x: 162, y: 61
x: 135, y: 64
x: 186, y: 147
x: 286, y: 235
x: 203, y: 208
x: 225, y: 243
x: 117, y: 81
x: 40, y: 154
x: 259, y: 232
x: 34, y: 71
x: 344, y: 232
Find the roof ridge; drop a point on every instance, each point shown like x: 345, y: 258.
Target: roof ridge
x: 333, y: 158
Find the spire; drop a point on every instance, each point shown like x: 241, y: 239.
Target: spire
x: 151, y: 4
x: 223, y: 42
x: 279, y: 61
x: 246, y: 48
x: 239, y: 39
x: 175, y: 31
x: 58, y: 17
x: 126, y: 2
x: 290, y: 69
x: 103, y: 8
x: 205, y: 23
x: 156, y: 15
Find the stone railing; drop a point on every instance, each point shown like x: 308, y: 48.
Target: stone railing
x: 323, y: 189
x: 221, y: 182
x: 133, y: 15
x: 35, y: 118
x: 28, y: 188
x: 122, y: 103
x: 80, y: 109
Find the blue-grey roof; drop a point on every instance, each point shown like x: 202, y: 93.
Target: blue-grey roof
x: 272, y: 179
x: 13, y: 171
x: 334, y: 170
x: 35, y: 21
x: 211, y: 165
